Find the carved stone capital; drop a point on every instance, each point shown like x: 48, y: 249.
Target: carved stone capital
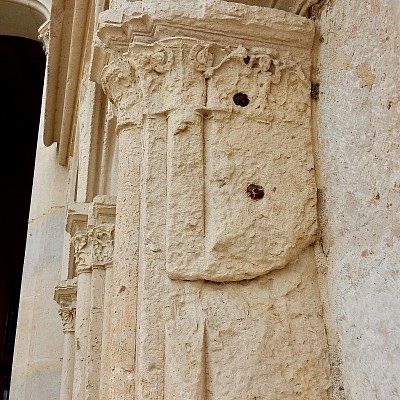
x: 120, y: 84
x: 44, y: 36
x: 102, y: 243
x: 233, y: 89
x: 67, y: 314
x: 65, y: 296
x: 94, y: 248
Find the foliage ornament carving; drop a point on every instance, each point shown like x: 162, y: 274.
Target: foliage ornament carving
x: 65, y: 296
x: 94, y: 248
x: 67, y: 314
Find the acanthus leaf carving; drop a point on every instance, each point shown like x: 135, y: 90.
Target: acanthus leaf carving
x: 65, y: 296
x: 102, y: 238
x: 80, y: 243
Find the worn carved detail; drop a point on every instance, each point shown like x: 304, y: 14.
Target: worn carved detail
x: 300, y: 7
x: 102, y: 244
x: 201, y: 56
x: 94, y: 248
x: 236, y: 89
x: 67, y: 314
x: 119, y: 82
x: 65, y: 296
x: 44, y: 36
x: 82, y: 254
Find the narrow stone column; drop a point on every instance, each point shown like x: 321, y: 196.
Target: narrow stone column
x: 124, y: 298
x: 126, y: 252
x: 82, y: 248
x: 102, y: 243
x: 106, y: 336
x: 65, y: 295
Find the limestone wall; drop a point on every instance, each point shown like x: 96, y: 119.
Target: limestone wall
x: 358, y: 163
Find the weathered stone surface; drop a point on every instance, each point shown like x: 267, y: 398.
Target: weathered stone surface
x: 201, y: 121
x: 218, y: 147
x: 204, y: 133
x: 358, y: 118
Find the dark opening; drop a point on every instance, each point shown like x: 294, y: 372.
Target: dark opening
x: 22, y: 69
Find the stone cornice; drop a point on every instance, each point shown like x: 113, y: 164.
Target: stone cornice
x: 232, y: 22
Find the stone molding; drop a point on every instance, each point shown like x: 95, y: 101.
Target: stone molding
x: 299, y: 7
x: 65, y: 296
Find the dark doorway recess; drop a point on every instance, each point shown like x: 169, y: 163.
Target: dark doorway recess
x: 22, y: 66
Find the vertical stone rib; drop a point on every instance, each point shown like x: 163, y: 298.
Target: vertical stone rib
x: 185, y: 219
x: 185, y: 370
x: 65, y: 296
x: 67, y: 376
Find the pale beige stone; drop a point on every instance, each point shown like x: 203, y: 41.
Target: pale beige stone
x: 191, y: 218
x: 212, y: 287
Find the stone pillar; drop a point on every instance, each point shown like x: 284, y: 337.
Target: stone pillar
x: 65, y: 296
x: 124, y: 274
x: 215, y: 289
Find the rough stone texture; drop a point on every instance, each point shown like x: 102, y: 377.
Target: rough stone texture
x: 187, y: 150
x: 219, y: 146
x: 215, y: 294
x: 358, y: 159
